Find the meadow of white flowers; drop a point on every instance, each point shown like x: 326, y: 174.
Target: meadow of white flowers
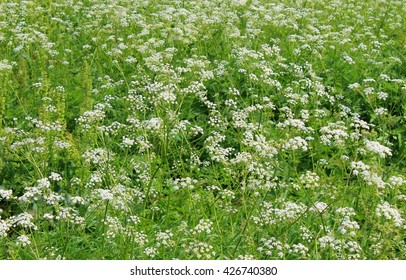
x: 213, y: 129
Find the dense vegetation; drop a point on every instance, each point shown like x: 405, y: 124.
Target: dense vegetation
x: 216, y: 129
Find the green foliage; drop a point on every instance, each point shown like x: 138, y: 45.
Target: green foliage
x: 202, y: 130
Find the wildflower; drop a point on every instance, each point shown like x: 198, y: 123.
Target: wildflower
x: 245, y: 257
x: 273, y: 247
x: 4, y: 228
x: 55, y: 177
x: 334, y: 134
x: 6, y: 194
x: 299, y: 249
x: 329, y: 241
x: 217, y: 153
x: 200, y: 250
x: 380, y: 111
x: 319, y: 207
x: 296, y: 143
x: 23, y: 240
x: 128, y: 142
x: 204, y: 225
x: 184, y: 183
x: 23, y: 220
x: 103, y: 194
x: 376, y: 147
x: 151, y: 252
x: 164, y: 238
x: 97, y: 156
x: 309, y: 180
x: 385, y: 210
x: 140, y: 238
x: 396, y: 181
x: 348, y: 59
x: 354, y: 86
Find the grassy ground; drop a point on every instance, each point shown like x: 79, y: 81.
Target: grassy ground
x: 230, y: 129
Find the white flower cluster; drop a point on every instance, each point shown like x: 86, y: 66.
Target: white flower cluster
x: 112, y: 129
x: 227, y: 207
x: 371, y: 178
x: 52, y: 198
x: 4, y: 227
x: 150, y: 252
x: 62, y: 145
x: 5, y: 66
x: 35, y: 144
x: 200, y: 250
x: 36, y: 192
x: 296, y: 123
x: 217, y: 153
x: 78, y: 200
x: 122, y: 197
x: 306, y: 234
x: 396, y: 181
x: 6, y: 194
x: 309, y: 180
x: 90, y: 118
x: 385, y: 210
x: 259, y: 143
x: 180, y: 127
x: 43, y: 183
x: 102, y: 194
x: 276, y: 248
x: 227, y: 194
x: 23, y: 240
x: 359, y: 167
x: 55, y: 177
x: 140, y: 238
x: 348, y: 225
x: 353, y: 250
x: 245, y: 257
x: 239, y: 117
x: 127, y: 142
x: 133, y: 219
x: 334, y: 134
x: 184, y: 183
x: 204, y: 226
x: 345, y: 211
x: 354, y: 86
x: 136, y: 101
x: 241, y: 157
x: 296, y: 143
x: 381, y: 111
x: 164, y: 238
x: 69, y: 215
x: 299, y: 249
x: 113, y: 227
x: 359, y: 124
x: 318, y: 207
x: 273, y: 247
x: 348, y: 59
x: 23, y: 220
x: 270, y: 215
x: 143, y: 143
x: 96, y: 178
x: 162, y: 94
x: 98, y: 156
x: 329, y: 241
x: 141, y: 169
x: 376, y: 147
x: 153, y: 124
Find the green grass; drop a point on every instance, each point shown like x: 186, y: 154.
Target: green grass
x: 202, y: 130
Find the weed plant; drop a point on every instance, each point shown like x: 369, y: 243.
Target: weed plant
x: 213, y: 129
